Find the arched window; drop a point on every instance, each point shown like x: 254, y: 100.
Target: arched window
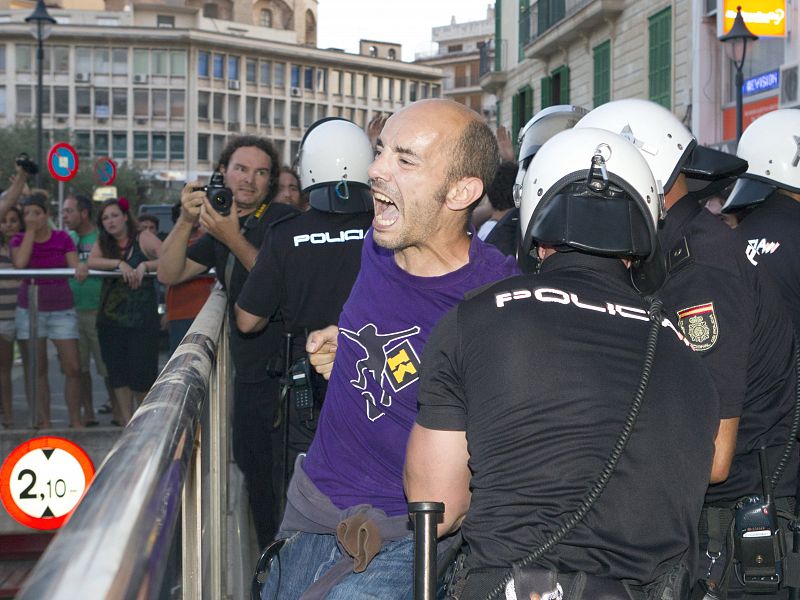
x: 373, y: 51
x: 311, y: 29
x: 210, y: 10
x: 392, y: 54
x: 266, y: 18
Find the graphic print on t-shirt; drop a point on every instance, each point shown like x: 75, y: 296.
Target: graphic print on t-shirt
x: 385, y: 361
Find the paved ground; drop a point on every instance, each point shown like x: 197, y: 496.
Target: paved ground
x: 58, y: 407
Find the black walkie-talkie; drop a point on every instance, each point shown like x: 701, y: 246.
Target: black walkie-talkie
x: 758, y: 541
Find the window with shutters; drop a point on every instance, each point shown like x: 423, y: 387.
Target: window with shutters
x: 555, y: 89
x: 602, y: 73
x: 524, y: 27
x: 660, y: 58
x: 498, y: 36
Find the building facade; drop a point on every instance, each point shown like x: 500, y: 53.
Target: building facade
x: 458, y: 56
x: 163, y: 86
x: 587, y: 52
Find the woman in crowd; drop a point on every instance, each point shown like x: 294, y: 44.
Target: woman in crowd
x: 42, y: 247
x: 127, y: 321
x: 11, y: 224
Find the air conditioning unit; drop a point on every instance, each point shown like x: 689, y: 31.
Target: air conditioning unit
x: 140, y: 79
x: 61, y: 119
x: 790, y: 86
x: 233, y: 126
x: 233, y: 84
x: 83, y: 77
x: 141, y: 121
x: 296, y: 92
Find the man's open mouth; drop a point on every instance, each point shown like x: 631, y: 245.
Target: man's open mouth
x: 386, y: 213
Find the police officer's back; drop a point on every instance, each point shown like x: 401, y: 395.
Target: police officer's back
x: 532, y: 382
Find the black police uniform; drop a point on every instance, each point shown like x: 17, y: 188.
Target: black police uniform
x: 726, y: 311
x: 304, y: 272
x: 255, y: 394
x: 772, y: 237
x: 540, y: 372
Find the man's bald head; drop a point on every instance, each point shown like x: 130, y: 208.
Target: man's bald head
x: 470, y: 143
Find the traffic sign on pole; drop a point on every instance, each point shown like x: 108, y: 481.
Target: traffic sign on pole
x: 105, y: 170
x: 62, y: 161
x: 43, y: 480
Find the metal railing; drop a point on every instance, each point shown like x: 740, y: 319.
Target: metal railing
x: 170, y: 460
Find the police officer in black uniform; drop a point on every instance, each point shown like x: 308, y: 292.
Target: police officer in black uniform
x: 771, y: 187
x: 309, y: 261
x: 250, y: 168
x: 728, y: 315
x: 528, y: 386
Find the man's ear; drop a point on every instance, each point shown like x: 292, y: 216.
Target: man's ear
x: 464, y: 192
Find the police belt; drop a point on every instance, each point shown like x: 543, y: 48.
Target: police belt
x: 547, y: 583
x: 716, y: 522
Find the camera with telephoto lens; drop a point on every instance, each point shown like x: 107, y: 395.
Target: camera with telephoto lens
x: 220, y: 197
x: 30, y: 167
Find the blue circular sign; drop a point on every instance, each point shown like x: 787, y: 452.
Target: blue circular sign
x: 62, y: 161
x: 105, y: 170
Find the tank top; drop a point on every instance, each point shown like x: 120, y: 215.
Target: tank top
x: 122, y: 306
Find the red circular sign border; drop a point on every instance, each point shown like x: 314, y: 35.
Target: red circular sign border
x: 11, y: 460
x: 50, y: 162
x: 113, y: 166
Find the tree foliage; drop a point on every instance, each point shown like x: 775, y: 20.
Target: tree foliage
x: 20, y: 138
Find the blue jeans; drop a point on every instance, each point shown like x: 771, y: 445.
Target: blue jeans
x: 305, y: 557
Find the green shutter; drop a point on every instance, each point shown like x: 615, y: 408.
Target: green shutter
x: 515, y: 125
x: 564, y: 91
x: 660, y: 58
x: 498, y: 35
x: 524, y: 25
x: 602, y: 73
x: 546, y: 92
x: 498, y: 113
x: 526, y: 96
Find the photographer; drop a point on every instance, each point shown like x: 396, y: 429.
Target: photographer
x: 249, y: 167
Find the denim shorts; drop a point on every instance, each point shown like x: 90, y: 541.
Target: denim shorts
x: 52, y: 324
x: 8, y: 329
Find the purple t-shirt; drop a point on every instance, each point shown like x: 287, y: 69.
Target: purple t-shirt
x: 54, y: 294
x: 358, y: 452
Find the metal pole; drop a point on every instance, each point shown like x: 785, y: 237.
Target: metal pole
x: 61, y: 204
x: 426, y: 516
x: 33, y: 342
x: 39, y: 100
x: 739, y: 84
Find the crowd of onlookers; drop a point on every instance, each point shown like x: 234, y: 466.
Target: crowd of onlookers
x: 111, y: 321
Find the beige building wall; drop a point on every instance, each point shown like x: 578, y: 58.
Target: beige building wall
x: 571, y: 41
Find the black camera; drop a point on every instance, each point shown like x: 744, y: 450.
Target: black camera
x: 758, y: 539
x: 30, y: 167
x: 220, y: 197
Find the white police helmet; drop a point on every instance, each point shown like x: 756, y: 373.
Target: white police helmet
x: 591, y: 190
x: 332, y: 162
x: 771, y: 146
x: 668, y: 146
x: 544, y: 125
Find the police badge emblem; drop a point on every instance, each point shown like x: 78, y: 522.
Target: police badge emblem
x: 699, y: 326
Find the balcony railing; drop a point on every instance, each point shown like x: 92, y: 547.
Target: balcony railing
x: 557, y: 22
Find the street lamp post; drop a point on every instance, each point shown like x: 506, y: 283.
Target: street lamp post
x: 738, y: 37
x: 40, y: 22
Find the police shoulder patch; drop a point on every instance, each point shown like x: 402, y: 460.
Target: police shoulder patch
x: 699, y: 325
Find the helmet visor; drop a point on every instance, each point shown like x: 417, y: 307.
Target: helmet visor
x: 747, y: 192
x: 710, y: 165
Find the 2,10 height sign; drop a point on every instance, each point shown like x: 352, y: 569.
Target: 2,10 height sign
x: 43, y: 480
